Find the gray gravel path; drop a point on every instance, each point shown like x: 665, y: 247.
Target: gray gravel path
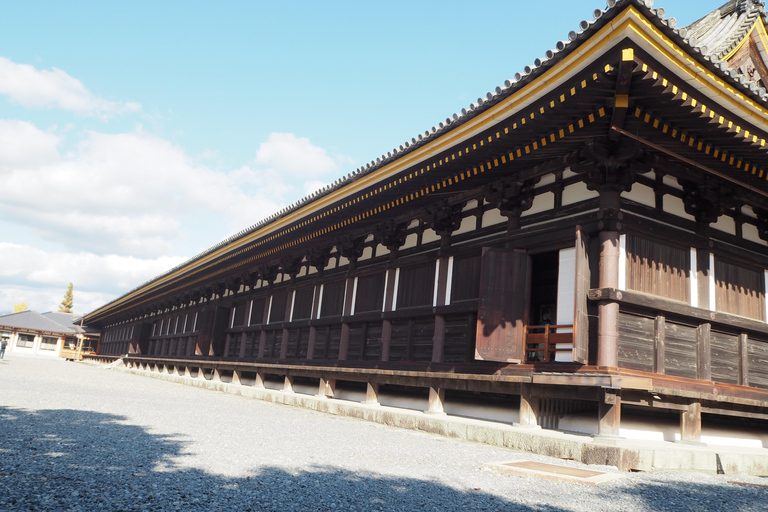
x: 75, y: 436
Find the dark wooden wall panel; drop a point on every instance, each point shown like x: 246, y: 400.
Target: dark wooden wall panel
x: 370, y: 293
x: 636, y: 342
x: 333, y: 299
x: 459, y: 338
x: 465, y: 281
x: 757, y: 355
x: 725, y: 357
x: 372, y: 351
x: 416, y: 286
x: 740, y: 290
x: 680, y: 350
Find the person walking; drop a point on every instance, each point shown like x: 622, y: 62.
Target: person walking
x: 3, y: 344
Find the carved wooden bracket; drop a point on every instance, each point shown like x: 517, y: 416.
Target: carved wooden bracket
x: 352, y: 248
x: 611, y: 166
x: 444, y: 218
x: 511, y: 197
x: 392, y: 235
x: 703, y: 200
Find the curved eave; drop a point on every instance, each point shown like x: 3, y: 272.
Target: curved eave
x: 628, y: 19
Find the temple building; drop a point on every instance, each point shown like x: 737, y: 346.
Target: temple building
x: 583, y: 248
x: 44, y: 334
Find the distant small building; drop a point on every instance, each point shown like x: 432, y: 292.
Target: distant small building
x: 45, y: 334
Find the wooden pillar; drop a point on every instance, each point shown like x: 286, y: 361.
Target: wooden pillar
x: 609, y: 412
x: 201, y: 373
x: 659, y: 340
x: 311, y: 342
x: 438, y: 341
x: 216, y: 375
x: 529, y: 407
x: 690, y: 423
x: 372, y: 394
x: 608, y: 311
x: 236, y: 377
x: 262, y: 343
x: 243, y: 338
x: 187, y: 373
x: 743, y: 360
x: 703, y: 352
x: 436, y: 401
x: 347, y: 311
x: 386, y: 326
x: 284, y: 344
x: 288, y: 384
x: 227, y: 343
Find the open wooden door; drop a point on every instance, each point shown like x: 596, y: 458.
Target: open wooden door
x: 580, y: 316
x: 505, y: 290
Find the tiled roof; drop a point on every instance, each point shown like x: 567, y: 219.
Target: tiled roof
x: 34, y: 321
x: 562, y: 48
x: 720, y: 31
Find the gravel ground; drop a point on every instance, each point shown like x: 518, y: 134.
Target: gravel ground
x: 74, y: 436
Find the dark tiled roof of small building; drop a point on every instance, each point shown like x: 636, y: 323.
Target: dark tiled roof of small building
x: 34, y: 321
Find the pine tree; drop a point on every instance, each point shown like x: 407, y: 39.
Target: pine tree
x: 21, y: 306
x: 66, y: 304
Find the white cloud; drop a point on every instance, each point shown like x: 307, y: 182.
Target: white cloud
x: 134, y: 193
x: 26, y: 85
x: 295, y: 155
x: 40, y: 277
x: 23, y: 145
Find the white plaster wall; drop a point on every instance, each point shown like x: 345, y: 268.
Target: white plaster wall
x: 410, y: 241
x: 749, y: 232
x: 671, y: 182
x: 541, y: 203
x: 577, y: 192
x: 367, y: 254
x: 381, y: 250
x: 429, y: 235
x: 641, y: 194
x: 675, y: 206
x: 467, y: 224
x: 493, y: 217
x: 726, y: 224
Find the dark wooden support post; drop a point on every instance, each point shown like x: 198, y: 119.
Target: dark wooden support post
x: 372, y: 394
x: 529, y: 407
x: 187, y: 373
x: 315, y: 314
x: 743, y: 360
x: 436, y: 401
x: 386, y: 326
x: 690, y: 423
x: 703, y: 275
x: 227, y: 343
x: 216, y: 375
x: 659, y: 337
x: 703, y: 352
x: 243, y: 338
x: 288, y: 384
x: 311, y: 342
x: 438, y: 341
x: 286, y: 334
x: 236, y: 377
x: 201, y: 373
x: 609, y: 412
x: 262, y: 342
x: 344, y: 342
x: 608, y: 311
x: 326, y: 388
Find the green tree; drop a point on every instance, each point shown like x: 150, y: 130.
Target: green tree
x: 66, y: 304
x: 21, y: 306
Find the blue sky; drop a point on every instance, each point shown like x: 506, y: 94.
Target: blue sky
x: 135, y: 135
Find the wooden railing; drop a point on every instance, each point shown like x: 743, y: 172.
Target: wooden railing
x: 541, y: 342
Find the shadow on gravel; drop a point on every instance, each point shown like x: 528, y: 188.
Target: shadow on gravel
x: 76, y: 460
